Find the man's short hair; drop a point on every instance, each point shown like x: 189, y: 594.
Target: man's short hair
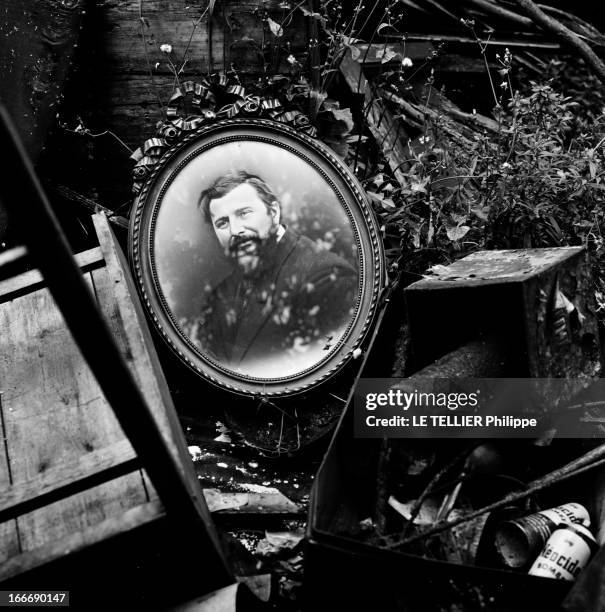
x: 229, y: 182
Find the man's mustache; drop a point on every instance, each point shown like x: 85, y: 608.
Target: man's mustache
x: 236, y: 241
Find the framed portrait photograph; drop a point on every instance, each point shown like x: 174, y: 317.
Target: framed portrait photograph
x: 257, y: 256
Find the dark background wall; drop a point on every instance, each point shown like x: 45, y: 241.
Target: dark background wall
x: 122, y: 81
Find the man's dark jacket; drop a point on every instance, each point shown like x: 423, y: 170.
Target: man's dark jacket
x: 298, y: 295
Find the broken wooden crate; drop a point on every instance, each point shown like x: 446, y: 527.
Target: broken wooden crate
x: 76, y: 506
x: 342, y: 571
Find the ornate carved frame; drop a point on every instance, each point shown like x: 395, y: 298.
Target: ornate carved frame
x: 160, y: 174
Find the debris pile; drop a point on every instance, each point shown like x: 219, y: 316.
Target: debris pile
x: 499, y: 505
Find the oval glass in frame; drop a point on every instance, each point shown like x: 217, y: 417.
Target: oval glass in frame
x: 257, y: 256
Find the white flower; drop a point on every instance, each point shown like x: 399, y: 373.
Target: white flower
x: 166, y: 48
x: 407, y: 62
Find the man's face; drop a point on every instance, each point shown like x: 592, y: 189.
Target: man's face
x: 243, y: 223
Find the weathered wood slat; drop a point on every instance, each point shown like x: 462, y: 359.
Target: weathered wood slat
x: 55, y: 414
x: 129, y: 106
x: 115, y: 92
x: 9, y: 536
x: 372, y: 56
x: 388, y: 133
x: 132, y: 518
x: 59, y: 430
x: 32, y: 280
x: 88, y: 204
x: 250, y: 504
x: 12, y: 256
x: 520, y: 39
x: 133, y: 42
x: 127, y: 321
x: 68, y: 479
x: 13, y: 261
x: 136, y: 75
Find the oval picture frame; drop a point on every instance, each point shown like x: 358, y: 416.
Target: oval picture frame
x: 257, y: 256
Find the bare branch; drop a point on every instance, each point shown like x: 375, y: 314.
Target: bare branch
x: 564, y: 34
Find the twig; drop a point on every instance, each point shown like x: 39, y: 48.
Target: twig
x: 483, y: 47
x: 588, y: 461
x: 195, y: 25
x: 339, y: 54
x: 297, y: 430
x: 498, y: 11
x: 593, y: 35
x: 142, y: 21
x: 88, y: 204
x: 314, y: 53
x: 281, y: 435
x: 598, y: 144
x: 415, y: 509
x: 86, y: 132
x: 564, y: 34
x: 267, y: 402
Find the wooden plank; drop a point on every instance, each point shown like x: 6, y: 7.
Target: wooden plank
x: 90, y: 205
x: 89, y: 329
x: 128, y: 323
x: 114, y: 92
x: 191, y: 514
x: 523, y: 40
x: 12, y: 256
x: 68, y: 429
x: 13, y: 261
x: 371, y: 56
x: 128, y: 102
x: 55, y: 414
x: 9, y: 535
x: 32, y: 280
x: 68, y: 479
x: 250, y: 503
x: 386, y: 130
x: 130, y: 108
x: 133, y: 42
x: 132, y: 518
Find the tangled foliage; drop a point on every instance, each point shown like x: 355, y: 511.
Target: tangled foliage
x: 545, y: 183
x: 537, y: 181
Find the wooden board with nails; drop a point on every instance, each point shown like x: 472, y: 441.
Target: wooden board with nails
x: 69, y: 478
